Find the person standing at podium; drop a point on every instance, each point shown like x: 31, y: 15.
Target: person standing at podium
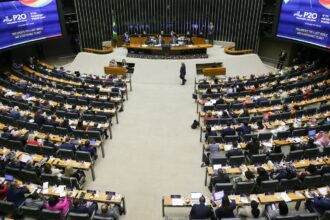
x: 210, y: 33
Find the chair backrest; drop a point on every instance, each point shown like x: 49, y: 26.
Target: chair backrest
x: 48, y: 151
x: 94, y: 134
x: 65, y: 154
x: 283, y: 134
x: 265, y: 136
x: 50, y: 178
x: 268, y: 186
x: 286, y: 184
x: 15, y: 145
x: 7, y: 207
x: 326, y: 215
x: 312, y: 153
x: 218, y: 160
x: 295, y: 155
x: 244, y: 188
x: 226, y: 187
x: 33, y: 212
x: 326, y: 179
x: 236, y: 160
x: 299, y: 132
x: 29, y: 176
x: 78, y: 216
x: 83, y: 156
x: 312, y: 181
x: 15, y: 172
x: 276, y: 157
x: 95, y: 217
x: 33, y: 149
x: 67, y: 181
x: 326, y: 151
x: 52, y: 215
x: 231, y: 138
x: 258, y: 158
x: 308, y: 216
x: 288, y: 217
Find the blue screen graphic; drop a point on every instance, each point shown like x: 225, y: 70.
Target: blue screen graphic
x: 306, y: 21
x: 24, y: 21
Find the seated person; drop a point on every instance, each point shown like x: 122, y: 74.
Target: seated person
x: 35, y: 200
x: 262, y: 175
x: 68, y: 146
x: 252, y: 211
x: 78, y: 174
x: 253, y: 147
x: 322, y: 139
x: 49, y: 169
x: 33, y: 168
x: 244, y: 129
x: 56, y: 204
x: 245, y: 113
x: 39, y: 118
x: 113, y: 62
x: 49, y: 143
x: 16, y: 194
x: 90, y: 149
x: 6, y: 133
x: 3, y: 190
x: 15, y: 113
x: 311, y: 170
x: 15, y: 163
x: 310, y: 144
x: 83, y: 207
x: 201, y: 211
x: 52, y: 121
x: 222, y: 177
x: 209, y: 132
x: 107, y: 211
x: 247, y: 176
x: 279, y: 173
x: 226, y: 210
x: 235, y: 151
x: 272, y: 211
x: 228, y: 131
x: 34, y: 141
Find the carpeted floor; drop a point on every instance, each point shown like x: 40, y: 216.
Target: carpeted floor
x: 154, y: 152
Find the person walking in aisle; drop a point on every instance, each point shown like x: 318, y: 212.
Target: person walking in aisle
x: 183, y: 73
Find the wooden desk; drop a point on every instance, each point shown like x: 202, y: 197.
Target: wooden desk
x: 57, y: 162
x: 99, y: 197
x: 218, y: 71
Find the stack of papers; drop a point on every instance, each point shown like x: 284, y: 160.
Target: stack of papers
x: 228, y: 147
x: 285, y: 197
x: 323, y: 191
x: 177, y: 202
x: 216, y: 167
x: 25, y: 158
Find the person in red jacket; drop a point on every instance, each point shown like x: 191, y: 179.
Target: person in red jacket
x: 3, y: 189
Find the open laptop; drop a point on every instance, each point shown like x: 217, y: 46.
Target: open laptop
x: 311, y: 133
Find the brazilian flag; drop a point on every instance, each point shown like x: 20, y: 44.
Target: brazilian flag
x: 114, y: 28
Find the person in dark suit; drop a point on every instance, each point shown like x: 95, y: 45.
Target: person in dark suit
x: 15, y: 194
x: 90, y: 149
x: 39, y: 118
x: 6, y: 133
x: 262, y: 175
x: 201, y: 211
x: 81, y: 208
x: 235, y: 151
x: 226, y: 210
x: 281, y: 59
x: 15, y: 114
x: 183, y: 73
x: 228, y: 131
x: 253, y: 147
x: 222, y: 177
x: 244, y: 129
x: 68, y: 146
x: 160, y: 40
x: 52, y: 121
x: 210, y: 33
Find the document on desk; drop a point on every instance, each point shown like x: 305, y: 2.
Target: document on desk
x: 323, y: 191
x: 285, y: 197
x: 195, y: 198
x: 227, y: 147
x: 177, y: 202
x: 216, y: 166
x: 25, y: 158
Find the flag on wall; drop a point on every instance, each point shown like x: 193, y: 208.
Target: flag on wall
x: 114, y: 28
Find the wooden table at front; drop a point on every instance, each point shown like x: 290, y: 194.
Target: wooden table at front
x: 168, y: 49
x: 296, y: 196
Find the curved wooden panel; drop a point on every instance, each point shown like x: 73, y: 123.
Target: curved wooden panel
x: 105, y: 51
x: 231, y: 50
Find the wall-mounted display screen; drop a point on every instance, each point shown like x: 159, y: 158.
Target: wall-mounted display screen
x: 306, y: 21
x: 24, y: 21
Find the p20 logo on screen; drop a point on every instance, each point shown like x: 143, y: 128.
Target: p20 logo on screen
x: 325, y: 3
x: 35, y: 3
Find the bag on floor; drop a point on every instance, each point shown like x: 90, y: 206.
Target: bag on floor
x: 195, y: 124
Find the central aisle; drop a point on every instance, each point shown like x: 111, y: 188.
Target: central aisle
x: 154, y: 151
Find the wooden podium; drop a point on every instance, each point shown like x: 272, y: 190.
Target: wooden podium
x: 115, y: 70
x: 219, y: 71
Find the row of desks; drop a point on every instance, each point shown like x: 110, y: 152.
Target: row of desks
x: 87, y: 195
x: 297, y: 196
x: 239, y: 170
